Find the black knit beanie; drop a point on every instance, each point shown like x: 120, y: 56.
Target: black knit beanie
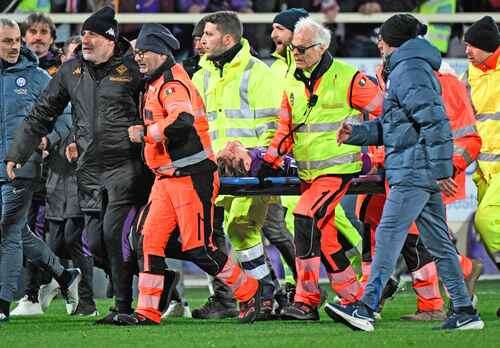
x: 483, y: 34
x: 400, y: 28
x: 290, y: 17
x: 156, y: 38
x: 102, y: 22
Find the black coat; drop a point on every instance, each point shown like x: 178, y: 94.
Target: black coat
x: 104, y: 99
x: 62, y: 190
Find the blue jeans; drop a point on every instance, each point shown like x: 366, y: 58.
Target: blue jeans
x: 15, y: 202
x: 403, y: 206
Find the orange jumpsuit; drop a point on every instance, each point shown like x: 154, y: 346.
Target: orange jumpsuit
x: 467, y: 144
x: 178, y: 150
x: 316, y: 238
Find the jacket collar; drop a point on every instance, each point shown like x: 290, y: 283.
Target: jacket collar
x: 323, y: 65
x: 491, y: 62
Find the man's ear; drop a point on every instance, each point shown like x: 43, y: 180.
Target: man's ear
x: 228, y: 40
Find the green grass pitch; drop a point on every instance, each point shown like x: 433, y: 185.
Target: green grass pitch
x: 56, y: 329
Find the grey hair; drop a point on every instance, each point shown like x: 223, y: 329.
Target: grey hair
x: 5, y: 22
x: 321, y: 34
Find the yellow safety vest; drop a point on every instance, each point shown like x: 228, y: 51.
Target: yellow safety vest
x: 28, y: 6
x: 485, y: 94
x: 315, y: 143
x: 242, y: 103
x: 438, y: 34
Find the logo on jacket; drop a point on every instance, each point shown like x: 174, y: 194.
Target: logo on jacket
x: 20, y: 82
x: 121, y: 69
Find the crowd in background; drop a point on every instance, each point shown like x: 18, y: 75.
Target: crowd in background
x: 349, y: 40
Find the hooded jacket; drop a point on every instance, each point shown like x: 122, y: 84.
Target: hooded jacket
x: 414, y: 128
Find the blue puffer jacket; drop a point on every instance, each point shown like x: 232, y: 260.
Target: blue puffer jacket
x: 414, y: 127
x: 20, y: 86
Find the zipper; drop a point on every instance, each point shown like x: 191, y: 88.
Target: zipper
x: 323, y: 194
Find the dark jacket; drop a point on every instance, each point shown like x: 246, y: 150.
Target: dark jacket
x: 104, y: 101
x: 414, y: 127
x: 62, y: 191
x: 20, y: 85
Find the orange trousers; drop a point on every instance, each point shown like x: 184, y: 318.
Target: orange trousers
x: 316, y: 240
x: 184, y: 204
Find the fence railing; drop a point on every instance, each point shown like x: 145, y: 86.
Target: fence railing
x: 189, y: 18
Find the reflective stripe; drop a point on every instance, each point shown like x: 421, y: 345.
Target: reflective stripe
x: 343, y: 159
x: 211, y: 116
x: 251, y: 253
x: 265, y: 127
x: 326, y: 127
x: 245, y: 81
x: 206, y: 81
x: 259, y: 272
x: 318, y: 127
x: 247, y: 113
x: 213, y: 134
x: 250, y: 133
x: 487, y: 117
x: 488, y: 157
x: 462, y: 151
x: 464, y: 131
x: 184, y: 162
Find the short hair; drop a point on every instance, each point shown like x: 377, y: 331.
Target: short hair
x: 6, y: 22
x: 39, y: 17
x: 199, y: 27
x: 227, y: 22
x: 76, y: 39
x: 321, y: 34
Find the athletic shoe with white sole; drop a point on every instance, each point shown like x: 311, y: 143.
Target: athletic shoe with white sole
x: 70, y: 292
x: 356, y: 316
x: 177, y: 309
x: 25, y: 306
x: 47, y: 293
x: 462, y: 321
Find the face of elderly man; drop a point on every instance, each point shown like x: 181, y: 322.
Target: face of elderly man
x: 307, y: 50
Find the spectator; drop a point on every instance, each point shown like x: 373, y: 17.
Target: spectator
x: 130, y: 31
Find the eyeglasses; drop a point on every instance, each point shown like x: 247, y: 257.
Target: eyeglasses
x: 140, y: 53
x: 302, y: 49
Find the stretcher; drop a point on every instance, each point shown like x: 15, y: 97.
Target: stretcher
x: 290, y: 186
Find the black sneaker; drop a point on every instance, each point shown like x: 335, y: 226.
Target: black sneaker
x: 266, y: 310
x: 284, y: 297
x: 134, y: 319
x: 357, y: 316
x: 86, y: 310
x: 251, y: 308
x: 108, y: 319
x: 214, y: 309
x: 300, y: 311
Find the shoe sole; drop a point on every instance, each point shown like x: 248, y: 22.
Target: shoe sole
x: 476, y: 325
x: 353, y: 323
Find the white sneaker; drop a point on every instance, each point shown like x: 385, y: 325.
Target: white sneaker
x: 47, y: 293
x: 177, y: 309
x: 71, y: 293
x: 26, y: 307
